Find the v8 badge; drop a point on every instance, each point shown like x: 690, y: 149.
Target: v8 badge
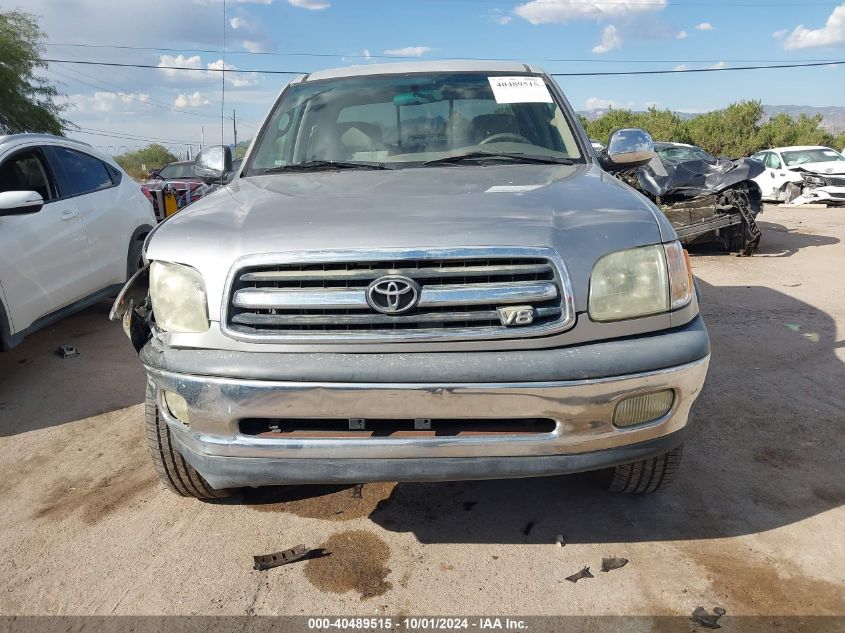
x: 516, y: 315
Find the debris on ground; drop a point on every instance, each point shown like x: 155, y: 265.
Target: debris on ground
x: 609, y: 564
x: 268, y: 561
x: 358, y: 491
x: 559, y: 540
x: 528, y: 527
x: 67, y: 351
x: 584, y: 573
x: 705, y: 201
x: 701, y: 617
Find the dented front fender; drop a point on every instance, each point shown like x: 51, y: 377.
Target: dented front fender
x: 132, y: 307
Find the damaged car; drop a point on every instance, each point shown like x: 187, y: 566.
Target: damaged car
x: 706, y: 199
x: 802, y: 174
x: 421, y: 272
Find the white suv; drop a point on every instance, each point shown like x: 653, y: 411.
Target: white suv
x: 72, y: 227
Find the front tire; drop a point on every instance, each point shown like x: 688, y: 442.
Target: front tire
x: 643, y: 477
x: 172, y: 469
x: 135, y: 258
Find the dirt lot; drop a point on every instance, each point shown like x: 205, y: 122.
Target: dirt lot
x: 754, y: 524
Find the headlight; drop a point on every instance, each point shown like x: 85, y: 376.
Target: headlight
x: 177, y: 293
x: 640, y: 282
x: 810, y: 179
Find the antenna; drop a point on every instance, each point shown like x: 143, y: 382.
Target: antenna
x: 223, y: 92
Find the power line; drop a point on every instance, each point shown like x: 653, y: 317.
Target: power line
x: 128, y: 95
x: 579, y: 60
x: 131, y: 137
x: 186, y: 68
x: 579, y: 74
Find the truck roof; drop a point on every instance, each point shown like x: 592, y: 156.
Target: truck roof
x: 424, y: 67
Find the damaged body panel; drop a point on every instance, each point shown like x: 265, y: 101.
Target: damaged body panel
x: 705, y: 200
x: 822, y: 189
x: 802, y: 175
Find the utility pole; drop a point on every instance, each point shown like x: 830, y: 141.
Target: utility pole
x: 235, y: 129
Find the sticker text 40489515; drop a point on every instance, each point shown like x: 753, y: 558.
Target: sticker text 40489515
x: 520, y: 90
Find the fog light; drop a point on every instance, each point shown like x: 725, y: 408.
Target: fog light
x: 177, y: 406
x: 642, y: 409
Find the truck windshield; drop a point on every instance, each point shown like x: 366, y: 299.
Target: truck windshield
x: 397, y: 121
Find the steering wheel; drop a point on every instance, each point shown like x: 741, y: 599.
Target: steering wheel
x: 503, y: 136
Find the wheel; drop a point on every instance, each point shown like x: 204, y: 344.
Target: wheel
x: 790, y: 192
x: 135, y: 259
x: 175, y: 473
x: 642, y: 477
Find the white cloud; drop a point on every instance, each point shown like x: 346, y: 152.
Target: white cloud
x: 408, y: 51
x: 681, y: 67
x: 191, y: 100
x: 682, y: 35
x: 237, y: 23
x: 499, y: 17
x: 194, y: 61
x: 719, y: 65
x: 561, y: 11
x: 780, y: 34
x: 312, y: 5
x: 704, y: 26
x: 254, y: 47
x: 831, y: 34
x: 106, y: 102
x: 597, y: 103
x: 367, y: 54
x: 610, y: 40
x: 211, y: 74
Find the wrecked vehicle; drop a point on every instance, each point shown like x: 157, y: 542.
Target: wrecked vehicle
x: 706, y: 199
x: 791, y: 172
x: 181, y: 183
x: 421, y: 272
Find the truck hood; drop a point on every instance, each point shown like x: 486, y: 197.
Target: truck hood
x: 579, y: 210
x: 825, y: 167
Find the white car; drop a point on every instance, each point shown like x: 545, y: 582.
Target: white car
x: 72, y: 228
x: 782, y: 179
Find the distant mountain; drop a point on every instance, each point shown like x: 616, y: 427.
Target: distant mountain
x: 833, y: 116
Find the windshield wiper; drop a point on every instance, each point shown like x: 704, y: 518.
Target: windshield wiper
x: 323, y: 165
x: 514, y: 157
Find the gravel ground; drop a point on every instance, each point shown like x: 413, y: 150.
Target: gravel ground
x: 753, y: 525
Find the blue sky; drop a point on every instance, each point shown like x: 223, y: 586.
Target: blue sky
x: 605, y: 35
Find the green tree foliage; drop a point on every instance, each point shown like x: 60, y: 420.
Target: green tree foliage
x: 782, y: 130
x: 139, y: 162
x: 27, y: 102
x: 732, y: 132
x: 735, y: 131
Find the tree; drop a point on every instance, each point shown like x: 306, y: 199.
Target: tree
x: 732, y: 132
x: 27, y: 102
x: 141, y: 161
x: 782, y: 130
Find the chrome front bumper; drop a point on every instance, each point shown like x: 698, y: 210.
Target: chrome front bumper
x: 584, y: 437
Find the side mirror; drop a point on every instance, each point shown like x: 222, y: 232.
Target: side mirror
x: 213, y: 162
x: 20, y: 202
x: 628, y: 148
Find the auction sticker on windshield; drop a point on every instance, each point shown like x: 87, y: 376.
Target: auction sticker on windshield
x: 520, y: 90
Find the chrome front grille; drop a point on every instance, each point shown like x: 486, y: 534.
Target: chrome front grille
x: 323, y: 296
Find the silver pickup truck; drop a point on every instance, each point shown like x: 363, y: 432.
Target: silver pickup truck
x: 420, y: 272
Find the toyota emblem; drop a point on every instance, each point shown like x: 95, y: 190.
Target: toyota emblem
x: 393, y: 294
